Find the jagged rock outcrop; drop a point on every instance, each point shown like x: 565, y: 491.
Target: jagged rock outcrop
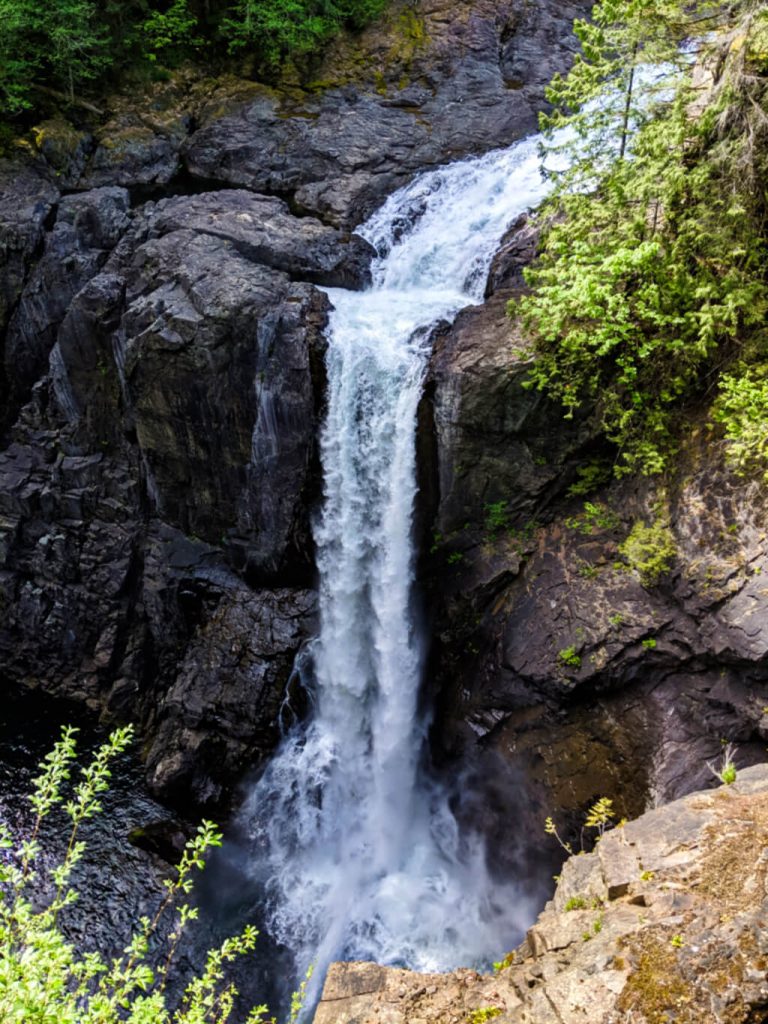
x: 158, y: 484
x: 264, y: 231
x: 430, y: 82
x: 663, y: 921
x: 163, y: 379
x: 27, y: 197
x: 88, y: 226
x: 553, y: 650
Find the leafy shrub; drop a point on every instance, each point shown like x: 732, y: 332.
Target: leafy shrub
x: 742, y: 408
x: 595, y: 516
x: 650, y: 550
x: 598, y: 818
x: 651, y: 271
x: 496, y: 517
x: 726, y: 771
x: 292, y: 28
x: 171, y: 35
x: 576, y: 903
x: 44, y: 979
x: 590, y: 477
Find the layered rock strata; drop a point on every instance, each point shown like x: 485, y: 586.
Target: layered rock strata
x: 664, y: 920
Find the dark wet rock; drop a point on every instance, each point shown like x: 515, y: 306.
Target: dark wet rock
x: 27, y: 197
x: 136, y: 148
x: 217, y: 355
x: 517, y: 250
x: 87, y: 228
x: 165, y: 838
x: 495, y: 439
x: 590, y: 681
x: 183, y: 394
x: 263, y: 230
x: 427, y: 84
x: 223, y: 708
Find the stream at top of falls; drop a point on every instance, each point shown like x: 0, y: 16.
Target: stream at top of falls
x: 357, y: 846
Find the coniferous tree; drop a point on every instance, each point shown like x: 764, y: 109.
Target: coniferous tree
x: 651, y: 272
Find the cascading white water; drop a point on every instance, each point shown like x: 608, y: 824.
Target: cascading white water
x: 362, y: 856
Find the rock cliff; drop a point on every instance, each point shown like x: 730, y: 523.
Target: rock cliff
x: 588, y: 675
x: 663, y: 921
x: 162, y: 364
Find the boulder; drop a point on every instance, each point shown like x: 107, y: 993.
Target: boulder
x: 264, y: 231
x: 664, y: 920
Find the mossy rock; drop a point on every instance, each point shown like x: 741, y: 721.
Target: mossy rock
x: 64, y: 147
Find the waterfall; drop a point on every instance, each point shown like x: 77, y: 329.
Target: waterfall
x: 361, y: 855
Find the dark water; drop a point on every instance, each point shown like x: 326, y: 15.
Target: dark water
x: 117, y: 880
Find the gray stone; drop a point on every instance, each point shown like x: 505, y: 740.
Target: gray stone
x: 694, y: 951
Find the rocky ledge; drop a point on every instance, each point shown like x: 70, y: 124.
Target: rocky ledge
x: 664, y: 921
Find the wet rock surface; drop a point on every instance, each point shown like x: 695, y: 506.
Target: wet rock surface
x: 664, y: 920
x: 88, y: 226
x: 430, y: 82
x: 263, y: 230
x: 551, y: 649
x: 163, y: 377
x: 159, y: 480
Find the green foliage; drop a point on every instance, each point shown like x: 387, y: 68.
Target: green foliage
x: 576, y: 903
x: 649, y: 643
x: 69, y: 46
x: 502, y: 965
x: 653, y: 252
x: 496, y: 517
x: 595, y: 517
x: 588, y: 571
x: 742, y: 408
x: 726, y: 771
x: 728, y: 774
x: 650, y: 550
x: 483, y: 1014
x: 551, y: 830
x: 61, y: 43
x: 569, y: 656
x: 599, y: 815
x: 590, y: 477
x: 44, y: 978
x: 292, y: 28
x: 171, y: 35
